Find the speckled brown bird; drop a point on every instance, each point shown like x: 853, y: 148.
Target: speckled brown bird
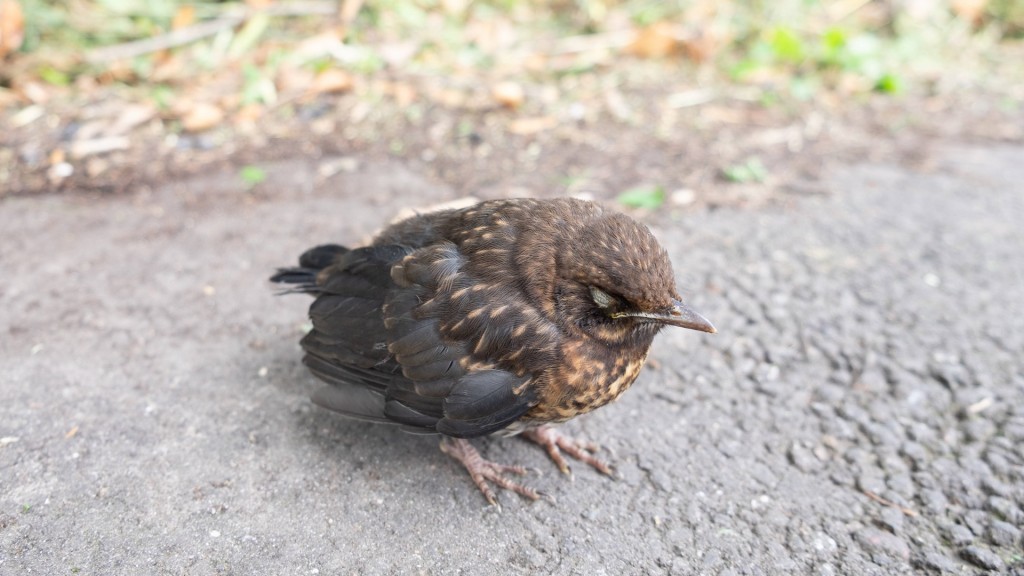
x: 503, y: 317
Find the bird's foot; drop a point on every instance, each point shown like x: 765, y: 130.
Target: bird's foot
x: 555, y: 443
x: 483, y: 471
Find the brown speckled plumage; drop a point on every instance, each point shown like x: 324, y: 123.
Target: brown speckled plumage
x: 507, y: 315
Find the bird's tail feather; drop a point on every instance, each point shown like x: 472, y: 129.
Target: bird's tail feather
x: 311, y: 262
x: 346, y: 394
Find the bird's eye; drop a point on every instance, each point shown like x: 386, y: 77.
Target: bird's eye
x: 601, y: 298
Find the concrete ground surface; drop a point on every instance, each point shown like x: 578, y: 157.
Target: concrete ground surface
x: 861, y: 410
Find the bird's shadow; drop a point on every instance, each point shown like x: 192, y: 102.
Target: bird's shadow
x: 385, y: 459
x: 384, y: 455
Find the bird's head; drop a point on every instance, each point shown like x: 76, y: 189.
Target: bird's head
x: 615, y: 282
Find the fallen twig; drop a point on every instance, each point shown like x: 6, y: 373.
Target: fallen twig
x: 172, y: 39
x: 197, y: 32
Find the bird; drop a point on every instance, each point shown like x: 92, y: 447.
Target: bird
x: 503, y: 318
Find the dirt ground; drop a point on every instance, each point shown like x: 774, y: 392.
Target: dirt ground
x: 857, y: 413
x: 643, y: 129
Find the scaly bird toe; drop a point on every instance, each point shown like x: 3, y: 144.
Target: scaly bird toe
x: 483, y: 471
x: 554, y: 442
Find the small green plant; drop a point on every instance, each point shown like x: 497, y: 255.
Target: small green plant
x: 54, y: 77
x: 258, y: 87
x: 811, y: 60
x: 786, y: 45
x: 649, y: 197
x: 162, y: 95
x: 252, y: 176
x: 889, y: 83
x: 752, y: 170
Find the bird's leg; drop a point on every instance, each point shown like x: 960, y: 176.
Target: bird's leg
x: 555, y: 443
x: 482, y: 471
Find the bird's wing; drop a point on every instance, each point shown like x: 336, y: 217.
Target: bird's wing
x: 386, y: 361
x: 477, y: 398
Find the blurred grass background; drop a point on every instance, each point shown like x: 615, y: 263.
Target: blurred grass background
x: 90, y: 85
x: 797, y: 46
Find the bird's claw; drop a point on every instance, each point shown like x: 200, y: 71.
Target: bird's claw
x: 554, y: 442
x: 483, y: 471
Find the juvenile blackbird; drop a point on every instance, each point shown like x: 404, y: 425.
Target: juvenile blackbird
x: 502, y: 317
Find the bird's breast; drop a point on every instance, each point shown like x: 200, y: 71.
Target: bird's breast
x: 585, y: 382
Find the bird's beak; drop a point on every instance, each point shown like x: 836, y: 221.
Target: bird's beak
x: 678, y: 314
x: 683, y: 316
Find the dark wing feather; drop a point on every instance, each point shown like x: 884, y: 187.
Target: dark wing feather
x: 377, y: 341
x: 352, y: 396
x: 485, y: 401
x: 398, y: 412
x: 347, y: 347
x: 476, y: 402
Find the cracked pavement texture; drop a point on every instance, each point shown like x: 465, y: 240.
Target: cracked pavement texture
x: 859, y: 412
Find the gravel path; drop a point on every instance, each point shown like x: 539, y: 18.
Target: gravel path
x: 859, y: 412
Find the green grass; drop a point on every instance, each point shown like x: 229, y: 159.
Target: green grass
x: 752, y: 170
x: 252, y: 176
x: 790, y: 48
x: 649, y: 197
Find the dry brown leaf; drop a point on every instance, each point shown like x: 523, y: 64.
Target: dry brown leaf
x: 527, y: 126
x: 332, y: 81
x: 9, y: 98
x: 202, y: 116
x: 96, y: 166
x: 85, y: 84
x: 404, y: 93
x: 701, y: 46
x: 536, y: 63
x: 293, y: 80
x: 12, y: 26
x: 230, y: 101
x: 850, y: 83
x: 509, y: 94
x: 249, y: 113
x: 655, y: 41
x: 168, y: 69
x: 969, y: 10
x: 34, y: 92
x: 117, y: 72
x: 448, y: 97
x: 184, y: 16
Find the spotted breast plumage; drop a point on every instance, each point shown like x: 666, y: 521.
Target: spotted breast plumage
x: 503, y: 317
